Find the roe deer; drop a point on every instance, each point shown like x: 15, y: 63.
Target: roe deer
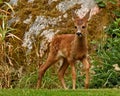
x: 69, y: 47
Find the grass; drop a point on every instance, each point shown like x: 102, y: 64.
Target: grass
x: 54, y: 92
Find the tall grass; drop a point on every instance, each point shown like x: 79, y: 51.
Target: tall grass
x: 7, y: 71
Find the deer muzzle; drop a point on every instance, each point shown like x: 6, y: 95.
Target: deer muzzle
x: 79, y: 34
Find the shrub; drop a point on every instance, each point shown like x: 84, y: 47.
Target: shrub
x: 109, y: 55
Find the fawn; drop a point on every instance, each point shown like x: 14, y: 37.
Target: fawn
x: 69, y: 47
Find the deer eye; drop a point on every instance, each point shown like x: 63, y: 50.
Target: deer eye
x: 83, y: 27
x: 75, y: 27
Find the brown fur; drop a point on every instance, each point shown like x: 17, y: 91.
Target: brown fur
x: 69, y: 47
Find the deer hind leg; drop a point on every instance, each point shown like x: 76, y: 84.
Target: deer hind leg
x: 61, y: 72
x: 50, y: 61
x: 86, y: 67
x: 73, y: 71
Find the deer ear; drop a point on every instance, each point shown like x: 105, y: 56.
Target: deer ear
x: 86, y: 17
x: 74, y: 15
x: 75, y: 18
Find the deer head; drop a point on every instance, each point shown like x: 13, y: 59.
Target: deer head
x: 81, y: 24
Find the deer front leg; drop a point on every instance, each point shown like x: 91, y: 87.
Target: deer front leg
x: 86, y: 67
x: 72, y: 64
x: 62, y: 72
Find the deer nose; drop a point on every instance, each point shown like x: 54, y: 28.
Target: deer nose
x: 79, y: 33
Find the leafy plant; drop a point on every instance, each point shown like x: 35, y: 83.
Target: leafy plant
x: 106, y: 75
x: 103, y: 3
x: 114, y: 29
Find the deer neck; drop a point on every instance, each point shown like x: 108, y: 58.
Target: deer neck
x: 79, y: 47
x: 80, y: 43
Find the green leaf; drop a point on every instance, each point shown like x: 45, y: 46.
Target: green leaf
x: 102, y: 5
x: 113, y: 1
